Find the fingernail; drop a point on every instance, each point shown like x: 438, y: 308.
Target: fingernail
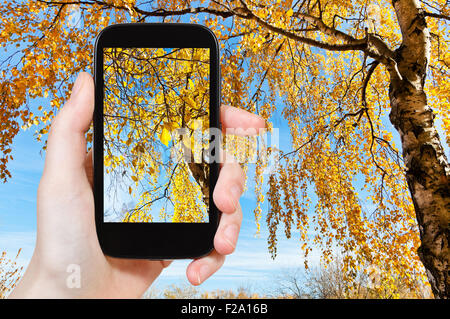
x: 77, y: 85
x: 236, y: 193
x: 230, y: 234
x: 202, y: 273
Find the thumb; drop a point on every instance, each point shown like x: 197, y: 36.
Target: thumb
x: 66, y: 144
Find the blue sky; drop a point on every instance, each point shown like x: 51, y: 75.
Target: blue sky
x: 18, y: 198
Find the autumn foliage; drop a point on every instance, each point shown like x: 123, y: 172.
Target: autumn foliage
x: 10, y: 274
x: 150, y: 95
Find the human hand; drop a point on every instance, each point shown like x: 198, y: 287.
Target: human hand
x: 66, y: 233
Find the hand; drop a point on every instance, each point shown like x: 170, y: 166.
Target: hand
x: 66, y: 233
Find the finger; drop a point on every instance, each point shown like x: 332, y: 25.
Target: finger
x: 166, y: 263
x: 234, y: 118
x: 227, y: 233
x: 201, y: 269
x: 229, y: 186
x: 138, y: 273
x: 66, y: 145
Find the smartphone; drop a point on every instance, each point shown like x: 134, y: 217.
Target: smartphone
x: 157, y: 97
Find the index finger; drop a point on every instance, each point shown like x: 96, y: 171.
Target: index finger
x: 232, y: 117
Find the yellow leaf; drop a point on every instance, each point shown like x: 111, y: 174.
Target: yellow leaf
x: 191, y: 84
x: 107, y: 160
x: 190, y: 101
x: 171, y: 125
x: 165, y: 137
x: 289, y: 13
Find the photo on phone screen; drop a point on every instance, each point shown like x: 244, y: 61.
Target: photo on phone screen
x: 156, y: 118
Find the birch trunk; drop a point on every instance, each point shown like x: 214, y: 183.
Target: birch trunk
x: 427, y: 168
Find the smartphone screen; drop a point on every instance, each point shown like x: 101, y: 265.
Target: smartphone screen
x: 155, y: 135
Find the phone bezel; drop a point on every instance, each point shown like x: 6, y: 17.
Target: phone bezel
x: 154, y: 240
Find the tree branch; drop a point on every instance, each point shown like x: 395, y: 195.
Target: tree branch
x: 372, y: 46
x: 326, y: 29
x: 366, y: 82
x: 351, y: 45
x: 436, y: 15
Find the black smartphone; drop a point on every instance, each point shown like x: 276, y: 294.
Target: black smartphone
x: 157, y: 97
